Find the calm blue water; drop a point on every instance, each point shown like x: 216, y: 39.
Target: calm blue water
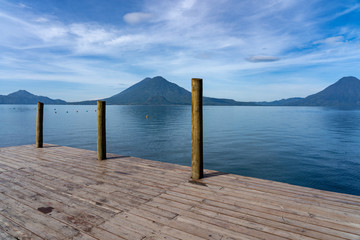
x: 308, y: 146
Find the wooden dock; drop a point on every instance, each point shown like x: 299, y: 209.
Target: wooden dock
x: 60, y: 192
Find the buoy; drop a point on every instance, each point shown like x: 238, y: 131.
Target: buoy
x: 147, y: 116
x: 55, y: 112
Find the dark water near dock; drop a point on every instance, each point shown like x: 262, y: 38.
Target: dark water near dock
x: 308, y: 146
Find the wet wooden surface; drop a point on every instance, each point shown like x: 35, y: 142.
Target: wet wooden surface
x: 59, y: 192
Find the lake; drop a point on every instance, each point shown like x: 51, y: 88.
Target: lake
x: 309, y: 146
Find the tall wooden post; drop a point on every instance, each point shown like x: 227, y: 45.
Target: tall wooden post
x: 39, y: 124
x: 101, y: 130
x: 197, y: 129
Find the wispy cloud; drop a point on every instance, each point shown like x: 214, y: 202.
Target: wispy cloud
x: 347, y: 10
x: 330, y: 40
x: 262, y: 59
x: 41, y: 20
x: 210, y: 39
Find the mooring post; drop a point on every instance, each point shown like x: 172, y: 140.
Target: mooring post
x: 101, y: 130
x: 39, y: 124
x: 197, y: 129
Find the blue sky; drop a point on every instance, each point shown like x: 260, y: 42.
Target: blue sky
x: 248, y: 50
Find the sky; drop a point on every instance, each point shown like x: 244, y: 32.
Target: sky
x: 247, y: 50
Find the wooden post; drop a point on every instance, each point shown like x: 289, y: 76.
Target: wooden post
x: 39, y: 124
x: 197, y: 129
x: 101, y: 130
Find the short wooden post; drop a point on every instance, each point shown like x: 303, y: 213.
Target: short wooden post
x: 39, y: 124
x: 197, y: 129
x: 101, y: 130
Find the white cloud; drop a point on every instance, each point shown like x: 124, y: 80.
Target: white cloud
x: 125, y: 39
x: 330, y: 40
x: 137, y: 17
x: 262, y: 59
x: 50, y: 32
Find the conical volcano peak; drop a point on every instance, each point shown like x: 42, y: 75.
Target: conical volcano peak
x: 156, y: 88
x: 345, y: 92
x: 21, y: 93
x: 159, y: 79
x: 348, y: 78
x: 155, y: 81
x: 348, y: 81
x: 159, y: 91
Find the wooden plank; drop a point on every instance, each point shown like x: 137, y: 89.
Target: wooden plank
x: 33, y: 220
x: 302, y: 208
x: 130, y: 165
x: 251, y: 228
x: 285, y: 191
x: 281, y: 222
x: 155, y: 227
x: 53, y: 194
x: 237, y: 180
x: 124, y: 226
x: 251, y: 215
x: 11, y: 230
x: 79, y: 218
x: 132, y: 198
x: 155, y: 184
x: 59, y: 152
x: 294, y: 198
x: 154, y: 181
x: 83, y: 179
x: 5, y: 235
x: 264, y: 207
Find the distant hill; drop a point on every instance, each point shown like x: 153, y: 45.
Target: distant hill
x: 159, y: 91
x: 24, y: 97
x: 282, y: 102
x: 343, y: 93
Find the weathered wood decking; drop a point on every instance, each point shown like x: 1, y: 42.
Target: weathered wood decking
x: 66, y: 193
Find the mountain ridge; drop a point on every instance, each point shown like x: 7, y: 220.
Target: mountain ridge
x: 159, y: 91
x: 25, y: 97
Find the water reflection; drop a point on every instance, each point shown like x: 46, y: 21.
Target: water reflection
x: 164, y: 136
x: 343, y: 122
